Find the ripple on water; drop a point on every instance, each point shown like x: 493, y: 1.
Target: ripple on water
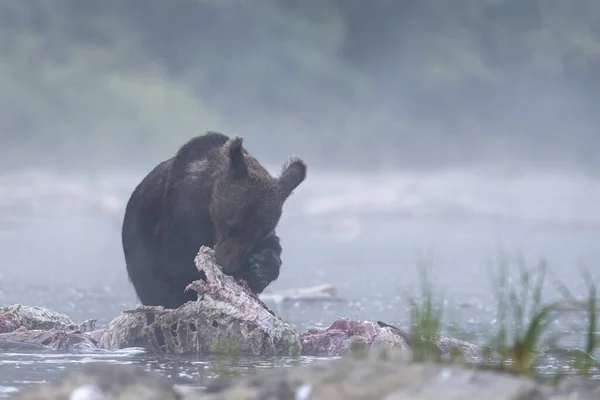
x: 472, y: 311
x: 6, y: 391
x: 22, y: 370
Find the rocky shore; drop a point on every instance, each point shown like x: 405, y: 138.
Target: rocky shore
x: 369, y: 378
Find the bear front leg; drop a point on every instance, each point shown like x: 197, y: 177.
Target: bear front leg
x: 262, y: 265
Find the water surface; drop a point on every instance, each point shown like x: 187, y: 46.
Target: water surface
x: 60, y: 246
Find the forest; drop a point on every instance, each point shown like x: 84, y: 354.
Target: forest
x: 343, y: 83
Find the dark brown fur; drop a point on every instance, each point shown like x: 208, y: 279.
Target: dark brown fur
x: 212, y: 193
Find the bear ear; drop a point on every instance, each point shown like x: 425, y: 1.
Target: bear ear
x: 293, y: 174
x: 235, y: 154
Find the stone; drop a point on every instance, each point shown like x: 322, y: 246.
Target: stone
x: 370, y: 378
x: 373, y: 378
x: 104, y: 382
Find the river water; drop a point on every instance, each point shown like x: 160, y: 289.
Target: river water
x: 60, y: 248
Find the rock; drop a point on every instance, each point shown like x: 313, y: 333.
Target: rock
x: 576, y: 388
x: 390, y: 379
x: 371, y: 378
x: 103, y: 382
x: 374, y: 379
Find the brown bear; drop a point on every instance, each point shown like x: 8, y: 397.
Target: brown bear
x: 211, y: 193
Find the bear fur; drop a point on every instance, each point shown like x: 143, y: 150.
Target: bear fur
x: 211, y: 193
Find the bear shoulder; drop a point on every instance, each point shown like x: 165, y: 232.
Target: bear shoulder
x: 189, y: 178
x: 194, y: 160
x: 197, y: 150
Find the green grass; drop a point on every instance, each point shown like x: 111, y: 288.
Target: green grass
x: 523, y: 331
x: 227, y: 352
x: 426, y: 318
x: 523, y: 319
x: 582, y: 360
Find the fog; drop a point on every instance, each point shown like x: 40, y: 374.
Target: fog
x: 426, y: 130
x: 62, y: 230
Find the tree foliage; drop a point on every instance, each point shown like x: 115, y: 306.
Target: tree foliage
x: 379, y: 81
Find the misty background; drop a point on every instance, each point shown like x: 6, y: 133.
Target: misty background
x: 429, y: 126
x: 356, y: 84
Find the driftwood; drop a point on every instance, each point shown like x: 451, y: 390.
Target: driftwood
x: 226, y: 316
x: 317, y: 294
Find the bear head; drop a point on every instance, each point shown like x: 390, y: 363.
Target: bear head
x: 247, y: 202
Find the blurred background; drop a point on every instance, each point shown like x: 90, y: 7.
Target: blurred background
x: 344, y: 83
x: 452, y: 129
